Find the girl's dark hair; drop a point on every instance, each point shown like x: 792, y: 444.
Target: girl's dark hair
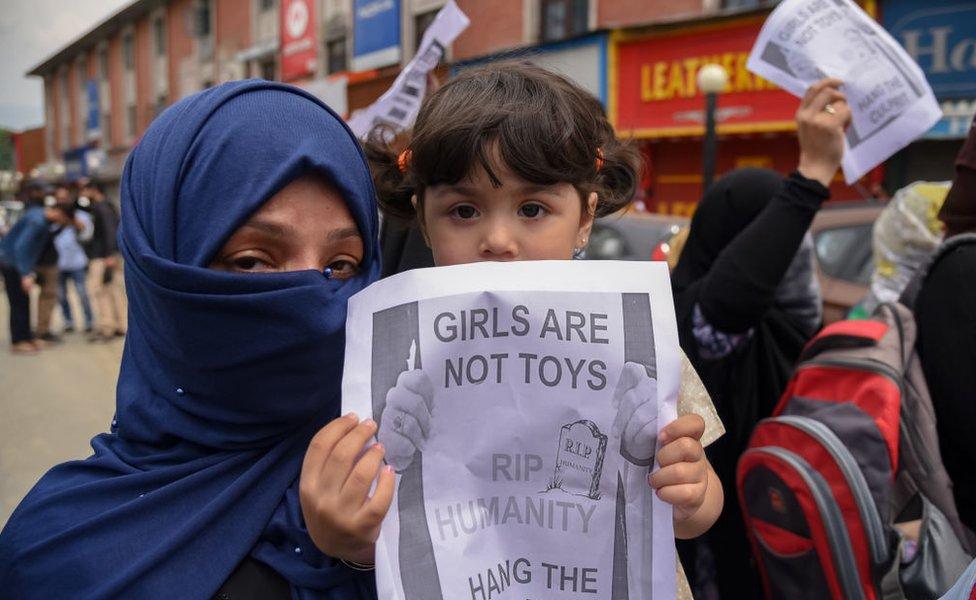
x: 544, y: 127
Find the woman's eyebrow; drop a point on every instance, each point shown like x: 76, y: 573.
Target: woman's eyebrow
x: 269, y: 227
x: 337, y: 235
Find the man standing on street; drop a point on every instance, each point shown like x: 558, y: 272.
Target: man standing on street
x: 20, y: 250
x: 105, y: 266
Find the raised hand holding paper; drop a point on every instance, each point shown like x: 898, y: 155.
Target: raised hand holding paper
x: 804, y: 41
x: 522, y: 422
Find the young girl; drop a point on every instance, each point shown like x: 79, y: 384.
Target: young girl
x: 512, y: 162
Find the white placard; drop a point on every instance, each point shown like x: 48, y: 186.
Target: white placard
x: 891, y: 102
x: 398, y: 106
x: 524, y: 485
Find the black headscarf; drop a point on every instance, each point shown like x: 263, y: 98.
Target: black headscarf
x: 777, y: 318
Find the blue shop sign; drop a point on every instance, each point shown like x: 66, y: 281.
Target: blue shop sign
x: 92, y: 123
x: 941, y: 37
x: 376, y: 34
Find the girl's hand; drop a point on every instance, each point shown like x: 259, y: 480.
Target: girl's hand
x: 405, y: 424
x: 635, y: 399
x: 821, y: 132
x: 341, y: 517
x: 682, y: 480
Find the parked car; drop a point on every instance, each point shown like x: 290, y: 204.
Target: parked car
x: 841, y: 234
x: 843, y: 241
x: 631, y: 235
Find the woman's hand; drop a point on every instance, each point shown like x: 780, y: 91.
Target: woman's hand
x: 686, y: 479
x: 405, y: 424
x: 635, y: 399
x: 342, y: 518
x: 821, y: 130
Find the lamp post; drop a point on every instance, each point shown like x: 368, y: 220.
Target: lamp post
x: 712, y: 79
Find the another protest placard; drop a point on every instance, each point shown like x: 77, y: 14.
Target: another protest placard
x: 520, y: 404
x: 891, y: 103
x: 398, y: 106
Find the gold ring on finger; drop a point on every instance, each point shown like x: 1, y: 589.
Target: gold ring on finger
x: 829, y: 109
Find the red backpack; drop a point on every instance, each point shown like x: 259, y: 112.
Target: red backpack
x: 850, y: 450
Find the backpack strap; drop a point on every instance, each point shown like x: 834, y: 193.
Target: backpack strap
x: 910, y: 295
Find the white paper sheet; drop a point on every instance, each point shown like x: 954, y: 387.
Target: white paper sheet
x: 399, y: 105
x: 521, y: 489
x: 891, y: 102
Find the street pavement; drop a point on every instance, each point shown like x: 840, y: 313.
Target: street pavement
x: 51, y: 405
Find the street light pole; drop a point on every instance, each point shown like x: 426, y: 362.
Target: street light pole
x: 712, y: 79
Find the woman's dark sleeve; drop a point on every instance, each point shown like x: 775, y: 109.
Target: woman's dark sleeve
x: 741, y: 284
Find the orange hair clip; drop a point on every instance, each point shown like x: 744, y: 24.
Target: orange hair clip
x: 599, y: 159
x: 403, y: 161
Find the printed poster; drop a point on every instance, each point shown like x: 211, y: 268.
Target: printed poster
x: 891, y: 103
x: 519, y: 404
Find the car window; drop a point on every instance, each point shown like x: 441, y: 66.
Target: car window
x: 845, y: 252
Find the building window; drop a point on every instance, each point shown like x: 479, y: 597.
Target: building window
x: 130, y: 120
x: 128, y: 52
x: 103, y: 64
x: 64, y: 110
x: 564, y: 18
x: 335, y: 50
x: 203, y: 19
x: 268, y: 69
x: 420, y: 24
x: 159, y: 36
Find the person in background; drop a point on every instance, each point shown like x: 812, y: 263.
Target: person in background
x: 73, y: 262
x: 747, y: 300
x: 20, y: 250
x: 945, y: 311
x: 905, y: 235
x: 105, y: 266
x: 47, y: 272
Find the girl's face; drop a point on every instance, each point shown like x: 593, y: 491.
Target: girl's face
x: 304, y: 226
x: 473, y: 221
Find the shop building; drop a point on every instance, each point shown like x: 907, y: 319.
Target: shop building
x: 941, y: 37
x: 654, y: 99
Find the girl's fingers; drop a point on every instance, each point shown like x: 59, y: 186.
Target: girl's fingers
x: 678, y: 474
x: 685, y: 496
x: 683, y: 449
x: 377, y: 506
x: 321, y: 447
x: 344, y: 454
x: 356, y: 488
x: 692, y: 426
x: 823, y: 98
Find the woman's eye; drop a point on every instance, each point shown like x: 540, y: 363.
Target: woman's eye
x: 344, y: 269
x: 532, y: 210
x: 249, y: 264
x: 464, y: 211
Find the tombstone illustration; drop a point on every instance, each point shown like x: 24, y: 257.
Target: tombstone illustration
x: 579, y: 459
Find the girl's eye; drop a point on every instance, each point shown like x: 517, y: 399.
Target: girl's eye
x: 532, y: 210
x: 344, y: 269
x: 464, y: 211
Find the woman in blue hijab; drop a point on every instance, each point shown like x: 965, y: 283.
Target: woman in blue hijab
x: 226, y: 375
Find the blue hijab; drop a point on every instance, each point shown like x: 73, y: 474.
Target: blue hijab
x: 225, y: 377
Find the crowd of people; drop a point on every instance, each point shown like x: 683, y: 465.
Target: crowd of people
x: 66, y: 237
x: 250, y: 215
